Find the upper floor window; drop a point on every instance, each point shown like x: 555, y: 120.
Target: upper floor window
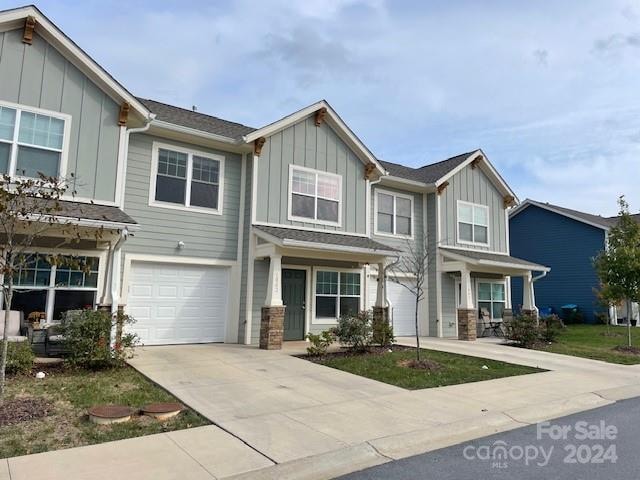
x: 394, y: 214
x: 186, y: 179
x: 314, y: 196
x: 32, y: 142
x: 473, y: 223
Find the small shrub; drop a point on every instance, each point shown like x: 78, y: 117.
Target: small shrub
x: 355, y: 331
x: 320, y: 342
x: 382, y: 334
x: 523, y: 331
x: 87, y: 339
x: 20, y: 358
x: 550, y: 328
x: 602, y: 318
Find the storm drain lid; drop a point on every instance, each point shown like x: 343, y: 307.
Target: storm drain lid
x: 105, y: 414
x: 162, y: 411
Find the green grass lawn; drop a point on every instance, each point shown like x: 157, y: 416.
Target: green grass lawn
x: 71, y: 393
x: 596, y: 342
x: 455, y: 369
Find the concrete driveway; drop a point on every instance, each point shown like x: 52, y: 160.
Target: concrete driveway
x: 290, y: 410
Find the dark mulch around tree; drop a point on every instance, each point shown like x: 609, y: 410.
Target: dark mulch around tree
x: 627, y: 349
x: 347, y: 353
x: 24, y: 409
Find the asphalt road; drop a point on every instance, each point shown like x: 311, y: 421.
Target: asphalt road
x: 599, y: 444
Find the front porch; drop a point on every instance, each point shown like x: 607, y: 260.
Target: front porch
x: 313, y: 279
x: 482, y: 290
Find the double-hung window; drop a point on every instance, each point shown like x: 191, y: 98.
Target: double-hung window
x: 394, y: 214
x: 491, y: 298
x: 31, y: 142
x: 314, y: 196
x: 337, y: 294
x: 473, y: 223
x: 186, y: 179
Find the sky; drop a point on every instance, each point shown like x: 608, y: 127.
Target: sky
x: 548, y: 90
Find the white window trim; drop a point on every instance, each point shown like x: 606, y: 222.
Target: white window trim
x: 375, y: 216
x: 190, y: 153
x: 64, y: 152
x: 294, y: 218
x: 101, y: 255
x: 473, y: 205
x: 332, y: 320
x: 492, y: 281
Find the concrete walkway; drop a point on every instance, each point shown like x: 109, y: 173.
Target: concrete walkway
x: 277, y: 416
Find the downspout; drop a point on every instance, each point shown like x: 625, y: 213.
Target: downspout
x: 148, y: 121
x: 116, y: 255
x: 384, y: 288
x: 538, y: 277
x: 533, y: 280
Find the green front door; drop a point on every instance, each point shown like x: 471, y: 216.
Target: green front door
x: 293, y: 295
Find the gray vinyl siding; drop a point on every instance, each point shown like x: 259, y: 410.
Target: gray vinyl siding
x: 418, y: 221
x: 244, y: 273
x: 260, y: 281
x: 449, y: 308
x: 472, y: 185
x: 39, y: 76
x: 432, y: 275
x: 204, y: 235
x: 318, y: 148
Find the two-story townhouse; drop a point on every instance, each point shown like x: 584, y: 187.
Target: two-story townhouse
x: 258, y: 235
x: 63, y: 115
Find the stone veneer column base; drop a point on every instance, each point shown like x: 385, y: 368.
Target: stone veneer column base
x: 272, y: 328
x: 507, y: 315
x: 380, y: 315
x: 467, y: 324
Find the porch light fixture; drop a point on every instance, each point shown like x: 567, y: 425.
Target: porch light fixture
x: 180, y: 245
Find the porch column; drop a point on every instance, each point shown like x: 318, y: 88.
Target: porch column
x: 528, y: 297
x: 272, y: 319
x: 380, y: 309
x: 507, y: 313
x: 467, y: 313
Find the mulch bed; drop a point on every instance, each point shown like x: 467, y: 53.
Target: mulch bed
x: 24, y: 409
x: 627, y: 349
x: 427, y: 365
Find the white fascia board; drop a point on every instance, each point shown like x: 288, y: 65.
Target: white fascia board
x: 488, y: 169
x: 338, y: 248
x: 50, y: 32
x: 529, y: 202
x: 172, y: 127
x: 86, y: 222
x: 342, y: 129
x: 515, y: 266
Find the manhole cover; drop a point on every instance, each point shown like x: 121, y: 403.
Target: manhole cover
x: 106, y: 414
x: 162, y: 411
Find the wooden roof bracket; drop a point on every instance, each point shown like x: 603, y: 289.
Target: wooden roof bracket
x: 29, y: 27
x: 475, y: 162
x: 257, y: 145
x: 369, y: 168
x: 508, y: 201
x: 123, y: 117
x: 442, y: 186
x: 320, y: 114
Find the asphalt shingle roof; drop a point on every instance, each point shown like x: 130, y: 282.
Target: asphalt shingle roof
x: 493, y: 257
x: 196, y: 120
x: 428, y: 173
x: 336, y: 239
x: 605, y: 222
x: 86, y: 211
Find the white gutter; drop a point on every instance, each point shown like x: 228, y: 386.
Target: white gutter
x: 538, y: 277
x: 125, y: 147
x: 116, y: 256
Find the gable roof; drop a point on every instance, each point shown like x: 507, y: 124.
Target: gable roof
x: 588, y: 218
x: 479, y: 257
x: 15, y: 18
x: 196, y: 120
x: 429, y: 173
x: 332, y: 118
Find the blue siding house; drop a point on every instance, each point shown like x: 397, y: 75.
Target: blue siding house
x: 565, y: 240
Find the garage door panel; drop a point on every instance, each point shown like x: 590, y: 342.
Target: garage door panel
x: 175, y: 303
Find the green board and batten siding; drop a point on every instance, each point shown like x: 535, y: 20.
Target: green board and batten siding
x: 472, y: 185
x: 204, y: 235
x: 318, y: 148
x: 39, y: 76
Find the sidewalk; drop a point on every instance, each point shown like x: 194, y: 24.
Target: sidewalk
x: 283, y: 417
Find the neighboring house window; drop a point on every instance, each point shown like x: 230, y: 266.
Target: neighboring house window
x: 43, y: 287
x: 187, y: 180
x: 394, y: 214
x: 337, y: 294
x: 491, y: 298
x: 314, y: 196
x: 473, y: 223
x: 31, y: 143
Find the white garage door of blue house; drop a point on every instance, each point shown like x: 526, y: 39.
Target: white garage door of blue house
x: 175, y: 303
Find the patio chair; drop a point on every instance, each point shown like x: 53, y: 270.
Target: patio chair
x: 490, y: 326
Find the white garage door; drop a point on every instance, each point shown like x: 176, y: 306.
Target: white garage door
x: 174, y: 303
x: 403, y: 307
